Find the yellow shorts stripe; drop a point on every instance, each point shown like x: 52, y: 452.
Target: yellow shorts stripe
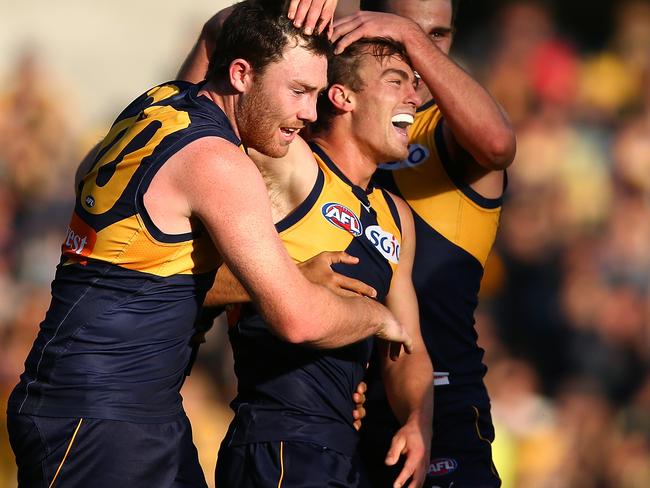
x: 478, y: 432
x: 281, y: 464
x: 67, y: 451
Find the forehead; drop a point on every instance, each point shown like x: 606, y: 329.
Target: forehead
x: 373, y: 67
x: 427, y: 13
x: 298, y: 62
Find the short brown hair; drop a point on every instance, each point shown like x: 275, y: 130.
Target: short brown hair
x: 344, y: 69
x: 259, y: 32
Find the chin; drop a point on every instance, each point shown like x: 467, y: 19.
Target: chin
x: 400, y: 154
x: 274, y: 151
x: 270, y: 148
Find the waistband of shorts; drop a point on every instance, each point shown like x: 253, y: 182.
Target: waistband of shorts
x: 254, y: 423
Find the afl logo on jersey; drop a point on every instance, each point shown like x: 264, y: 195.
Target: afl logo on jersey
x: 384, y: 242
x: 342, y: 217
x: 418, y: 154
x: 90, y: 201
x: 442, y: 466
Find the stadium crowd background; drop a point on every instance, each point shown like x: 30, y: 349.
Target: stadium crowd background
x: 565, y: 310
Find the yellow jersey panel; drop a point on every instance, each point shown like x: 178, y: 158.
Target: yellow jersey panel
x: 451, y: 209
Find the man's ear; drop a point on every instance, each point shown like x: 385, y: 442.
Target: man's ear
x: 241, y: 75
x: 341, y: 97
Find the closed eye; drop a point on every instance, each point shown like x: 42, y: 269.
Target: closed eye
x: 440, y: 33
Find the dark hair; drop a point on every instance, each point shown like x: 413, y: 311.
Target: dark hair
x: 344, y: 69
x: 380, y: 6
x: 259, y: 32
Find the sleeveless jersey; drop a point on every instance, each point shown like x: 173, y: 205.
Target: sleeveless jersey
x: 117, y: 339
x: 289, y: 392
x: 455, y: 230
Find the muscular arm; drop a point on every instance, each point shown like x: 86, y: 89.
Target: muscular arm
x: 228, y: 195
x: 473, y: 118
x: 409, y: 380
x: 196, y: 63
x: 228, y: 290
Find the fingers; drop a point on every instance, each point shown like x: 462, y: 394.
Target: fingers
x: 393, y: 338
x: 407, y: 343
x: 346, y: 32
x: 330, y: 29
x: 312, y: 15
x: 358, y: 414
x: 362, y: 388
x: 355, y: 286
x: 293, y: 8
x: 404, y: 475
x: 344, y: 26
x: 335, y: 257
x: 413, y: 465
x: 397, y: 445
x: 414, y: 469
x: 320, y: 15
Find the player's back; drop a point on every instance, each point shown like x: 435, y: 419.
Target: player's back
x: 116, y: 341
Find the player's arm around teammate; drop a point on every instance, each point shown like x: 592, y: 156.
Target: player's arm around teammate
x: 409, y: 380
x: 227, y: 290
x: 229, y: 196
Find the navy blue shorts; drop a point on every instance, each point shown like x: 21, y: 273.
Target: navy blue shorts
x: 83, y: 452
x: 287, y: 465
x: 461, y: 451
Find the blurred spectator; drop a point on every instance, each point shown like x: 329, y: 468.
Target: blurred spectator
x: 34, y: 132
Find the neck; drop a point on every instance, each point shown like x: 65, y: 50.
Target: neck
x: 354, y: 161
x: 225, y: 98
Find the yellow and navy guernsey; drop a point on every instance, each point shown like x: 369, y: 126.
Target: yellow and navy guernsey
x: 455, y: 230
x: 294, y: 393
x: 116, y: 340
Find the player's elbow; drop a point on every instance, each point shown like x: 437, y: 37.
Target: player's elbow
x: 500, y: 151
x: 293, y: 327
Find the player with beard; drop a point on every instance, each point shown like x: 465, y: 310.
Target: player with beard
x: 165, y: 198
x: 293, y: 422
x: 453, y: 180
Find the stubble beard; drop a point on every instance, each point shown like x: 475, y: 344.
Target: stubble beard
x: 257, y: 124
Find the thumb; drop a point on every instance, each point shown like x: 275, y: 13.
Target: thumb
x: 396, y: 447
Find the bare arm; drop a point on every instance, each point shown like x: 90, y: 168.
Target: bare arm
x: 229, y: 197
x: 473, y: 117
x: 315, y: 15
x: 409, y: 380
x: 195, y: 66
x: 228, y: 290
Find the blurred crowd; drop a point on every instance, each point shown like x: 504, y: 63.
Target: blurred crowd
x: 565, y: 306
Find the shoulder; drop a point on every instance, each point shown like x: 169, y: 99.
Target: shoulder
x: 402, y: 207
x: 210, y: 162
